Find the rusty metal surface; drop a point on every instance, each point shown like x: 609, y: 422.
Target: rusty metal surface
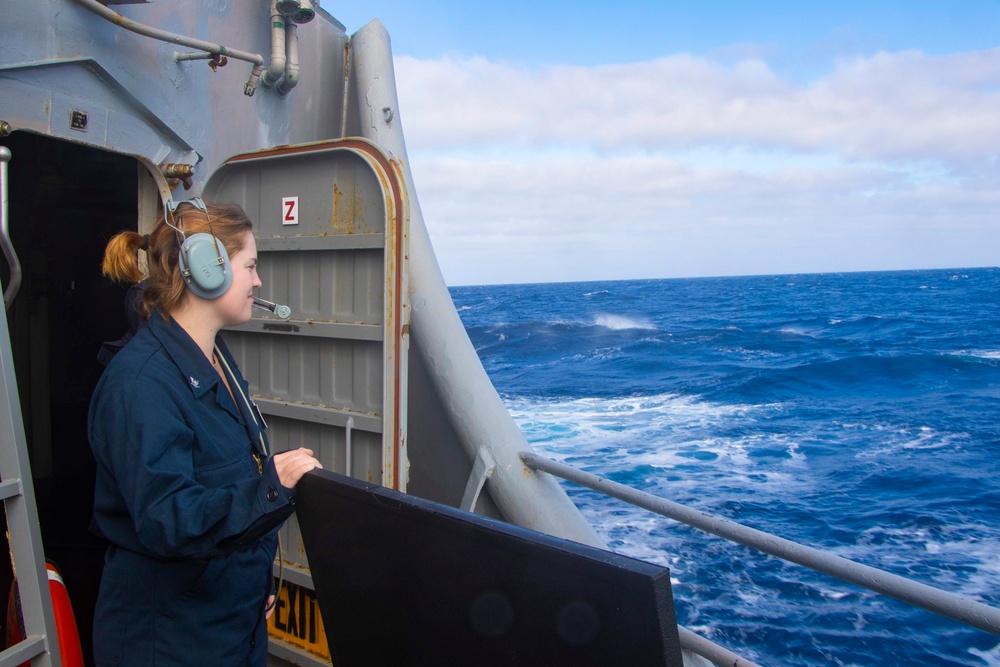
x: 332, y: 376
x: 354, y: 202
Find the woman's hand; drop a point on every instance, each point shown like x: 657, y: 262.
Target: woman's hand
x: 291, y: 465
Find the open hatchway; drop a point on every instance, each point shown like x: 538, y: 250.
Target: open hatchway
x: 65, y: 201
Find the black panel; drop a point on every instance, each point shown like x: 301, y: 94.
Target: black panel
x: 406, y: 581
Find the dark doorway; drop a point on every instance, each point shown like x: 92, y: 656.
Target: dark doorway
x: 65, y: 201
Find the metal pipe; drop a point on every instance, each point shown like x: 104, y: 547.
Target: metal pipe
x: 348, y: 448
x: 291, y: 77
x: 346, y: 95
x: 193, y: 55
x: 288, y: 7
x: 305, y: 13
x: 953, y: 606
x: 190, y: 42
x: 276, y: 67
x: 5, y: 244
x: 708, y: 649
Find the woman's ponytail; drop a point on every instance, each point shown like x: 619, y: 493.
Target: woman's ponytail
x: 121, y: 261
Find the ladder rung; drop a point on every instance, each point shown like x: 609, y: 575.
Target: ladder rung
x: 23, y: 651
x: 10, y: 489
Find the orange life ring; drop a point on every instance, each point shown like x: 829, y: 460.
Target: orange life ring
x: 66, y: 631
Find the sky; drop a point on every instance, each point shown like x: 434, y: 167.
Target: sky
x: 573, y: 141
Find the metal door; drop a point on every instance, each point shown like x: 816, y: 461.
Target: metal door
x: 331, y: 224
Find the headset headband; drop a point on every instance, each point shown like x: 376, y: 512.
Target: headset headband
x: 204, y: 271
x: 171, y: 206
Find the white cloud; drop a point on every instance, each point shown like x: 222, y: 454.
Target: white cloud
x: 682, y: 166
x: 889, y: 106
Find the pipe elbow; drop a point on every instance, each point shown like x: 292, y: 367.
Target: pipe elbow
x: 290, y: 81
x: 275, y: 70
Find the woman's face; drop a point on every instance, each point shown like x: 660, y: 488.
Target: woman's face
x: 235, y: 305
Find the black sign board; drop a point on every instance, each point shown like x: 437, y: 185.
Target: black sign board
x: 406, y: 581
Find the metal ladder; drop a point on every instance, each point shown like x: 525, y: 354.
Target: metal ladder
x: 18, y: 494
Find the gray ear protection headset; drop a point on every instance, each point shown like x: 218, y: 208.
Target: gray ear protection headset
x: 203, y: 261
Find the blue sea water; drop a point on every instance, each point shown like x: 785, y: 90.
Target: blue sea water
x: 856, y: 412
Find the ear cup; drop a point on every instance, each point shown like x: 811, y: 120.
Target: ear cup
x: 205, y: 266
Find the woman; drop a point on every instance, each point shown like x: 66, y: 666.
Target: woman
x: 186, y: 490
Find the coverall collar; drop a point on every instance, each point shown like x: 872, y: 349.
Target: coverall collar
x: 185, y: 354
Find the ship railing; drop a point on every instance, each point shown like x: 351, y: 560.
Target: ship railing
x: 954, y: 606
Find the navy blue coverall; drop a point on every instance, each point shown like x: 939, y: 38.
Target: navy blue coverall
x: 190, y: 503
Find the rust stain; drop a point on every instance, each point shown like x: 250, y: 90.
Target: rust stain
x: 346, y: 213
x: 280, y: 326
x: 347, y: 68
x: 337, y: 194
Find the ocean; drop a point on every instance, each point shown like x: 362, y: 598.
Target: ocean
x: 855, y: 412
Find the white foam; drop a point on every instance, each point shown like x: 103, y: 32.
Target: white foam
x: 830, y: 594
x: 796, y: 331
x: 621, y: 322
x: 990, y: 657
x: 628, y: 420
x: 750, y: 355
x: 676, y: 436
x: 600, y: 354
x: 981, y: 354
x: 894, y: 439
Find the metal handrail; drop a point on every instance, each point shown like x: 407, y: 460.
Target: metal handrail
x: 5, y: 244
x: 689, y: 640
x: 951, y: 605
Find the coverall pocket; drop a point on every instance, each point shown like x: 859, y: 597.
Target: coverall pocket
x: 185, y: 580
x: 217, y: 475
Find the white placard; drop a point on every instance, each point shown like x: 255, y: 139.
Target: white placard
x: 289, y: 210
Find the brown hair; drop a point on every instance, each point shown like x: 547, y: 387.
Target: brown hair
x: 166, y: 289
